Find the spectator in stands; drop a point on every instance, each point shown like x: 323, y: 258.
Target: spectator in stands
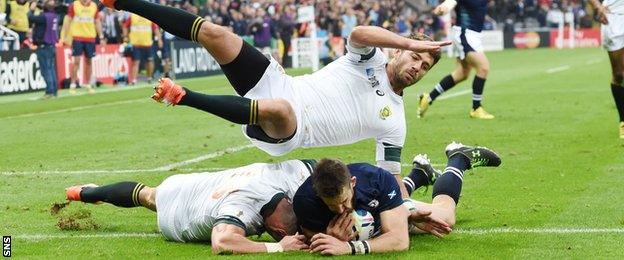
x: 45, y: 36
x: 139, y: 32
x: 285, y: 30
x: 349, y: 21
x: 17, y: 18
x: 262, y: 30
x: 111, y: 26
x: 82, y: 25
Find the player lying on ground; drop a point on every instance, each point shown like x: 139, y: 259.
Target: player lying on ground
x: 223, y: 207
x: 355, y: 97
x: 334, y: 190
x: 611, y: 15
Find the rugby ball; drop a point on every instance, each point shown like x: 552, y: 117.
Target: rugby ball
x: 364, y: 224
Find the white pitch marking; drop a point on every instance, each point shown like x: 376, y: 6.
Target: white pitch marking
x: 159, y: 169
x: 204, y: 157
x: 456, y: 94
x: 433, y: 164
x: 36, y: 237
x: 558, y: 69
x: 468, y: 231
x: 77, y: 108
x: 562, y: 230
x: 594, y: 61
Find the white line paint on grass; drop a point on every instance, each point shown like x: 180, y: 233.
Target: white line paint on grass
x: 468, y: 231
x: 540, y: 231
x: 456, y: 94
x: 159, y: 169
x: 558, y: 69
x: 594, y: 61
x: 204, y: 157
x: 77, y: 108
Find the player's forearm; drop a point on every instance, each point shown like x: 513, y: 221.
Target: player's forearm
x: 98, y: 28
x: 390, y: 241
x: 364, y: 36
x: 237, y: 244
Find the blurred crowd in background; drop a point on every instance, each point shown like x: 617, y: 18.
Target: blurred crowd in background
x: 272, y: 24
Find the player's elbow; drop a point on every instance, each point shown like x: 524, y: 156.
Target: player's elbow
x: 401, y: 243
x: 357, y: 34
x: 222, y: 244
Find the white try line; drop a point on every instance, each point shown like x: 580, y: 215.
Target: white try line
x: 467, y: 231
x: 540, y: 231
x: 594, y: 61
x: 558, y: 69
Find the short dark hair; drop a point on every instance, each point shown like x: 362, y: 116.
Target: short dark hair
x: 330, y: 177
x: 423, y: 37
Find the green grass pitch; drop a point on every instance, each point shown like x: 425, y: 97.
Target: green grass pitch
x: 558, y: 193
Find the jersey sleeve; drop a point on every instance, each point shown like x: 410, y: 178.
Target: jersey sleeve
x: 236, y: 213
x: 389, y: 192
x: 369, y: 55
x: 388, y: 152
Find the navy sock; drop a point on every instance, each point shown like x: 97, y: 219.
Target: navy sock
x: 445, y: 84
x: 235, y: 109
x: 618, y: 97
x: 122, y: 194
x: 450, y: 182
x: 416, y: 179
x: 477, y: 91
x: 173, y: 20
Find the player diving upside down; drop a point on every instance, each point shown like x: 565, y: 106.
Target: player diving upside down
x: 356, y: 97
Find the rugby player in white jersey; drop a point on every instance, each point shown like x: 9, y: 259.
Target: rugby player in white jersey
x: 222, y: 207
x: 356, y: 97
x: 611, y: 15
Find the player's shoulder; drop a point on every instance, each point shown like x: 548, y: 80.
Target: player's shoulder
x: 366, y: 171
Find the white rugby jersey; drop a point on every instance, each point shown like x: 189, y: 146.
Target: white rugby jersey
x: 189, y: 205
x: 615, y: 6
x: 350, y: 100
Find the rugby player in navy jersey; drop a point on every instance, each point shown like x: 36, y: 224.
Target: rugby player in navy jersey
x: 467, y: 44
x: 324, y: 201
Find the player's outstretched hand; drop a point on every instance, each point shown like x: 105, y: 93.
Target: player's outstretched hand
x: 425, y: 221
x: 341, y: 227
x: 602, y: 14
x: 328, y: 245
x: 427, y: 46
x: 295, y: 242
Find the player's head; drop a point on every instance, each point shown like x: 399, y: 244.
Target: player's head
x: 279, y: 218
x: 334, y: 185
x: 408, y: 67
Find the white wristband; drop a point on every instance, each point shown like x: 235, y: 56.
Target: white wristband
x: 273, y: 247
x: 409, y: 204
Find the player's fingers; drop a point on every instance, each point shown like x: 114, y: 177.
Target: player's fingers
x: 318, y: 248
x: 327, y: 252
x: 317, y: 243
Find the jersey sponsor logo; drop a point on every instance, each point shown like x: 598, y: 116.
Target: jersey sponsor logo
x: 392, y: 194
x: 373, y: 203
x: 385, y: 113
x: 380, y: 93
x: 370, y: 73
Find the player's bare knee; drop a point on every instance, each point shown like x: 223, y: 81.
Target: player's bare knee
x: 277, y: 111
x: 147, y: 198
x: 212, y: 31
x: 483, y: 71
